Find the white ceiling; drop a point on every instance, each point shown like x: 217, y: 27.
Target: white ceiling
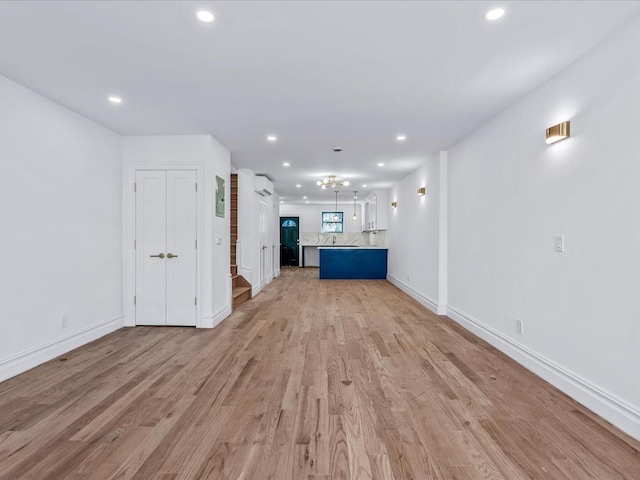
x: 315, y: 73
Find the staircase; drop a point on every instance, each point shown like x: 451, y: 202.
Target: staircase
x: 241, y: 288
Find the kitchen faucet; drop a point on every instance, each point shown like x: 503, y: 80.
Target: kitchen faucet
x: 334, y: 239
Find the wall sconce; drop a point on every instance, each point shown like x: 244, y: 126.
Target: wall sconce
x: 422, y: 191
x: 394, y: 204
x: 558, y: 132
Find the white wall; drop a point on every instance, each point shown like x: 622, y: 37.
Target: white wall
x: 311, y: 215
x: 510, y: 194
x: 61, y: 239
x: 413, y: 234
x: 206, y: 154
x: 249, y: 250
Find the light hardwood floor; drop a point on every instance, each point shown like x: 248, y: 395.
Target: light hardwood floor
x: 310, y: 380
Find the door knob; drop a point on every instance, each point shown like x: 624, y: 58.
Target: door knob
x: 171, y: 255
x: 160, y: 255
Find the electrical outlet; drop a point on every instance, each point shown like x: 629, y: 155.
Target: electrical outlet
x: 64, y: 321
x: 519, y: 326
x: 559, y: 243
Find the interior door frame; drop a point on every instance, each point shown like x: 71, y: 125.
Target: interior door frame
x: 128, y: 235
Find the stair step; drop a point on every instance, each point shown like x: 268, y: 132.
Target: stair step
x: 241, y: 295
x: 237, y: 291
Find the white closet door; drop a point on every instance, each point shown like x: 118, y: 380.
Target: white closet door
x: 166, y: 232
x: 151, y: 227
x: 181, y: 247
x: 263, y: 243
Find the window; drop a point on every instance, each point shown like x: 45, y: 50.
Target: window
x: 332, y: 222
x: 289, y: 223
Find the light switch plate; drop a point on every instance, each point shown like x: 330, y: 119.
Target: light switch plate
x: 559, y: 243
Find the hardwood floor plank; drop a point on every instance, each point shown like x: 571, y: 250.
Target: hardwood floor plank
x: 339, y: 467
x: 316, y: 380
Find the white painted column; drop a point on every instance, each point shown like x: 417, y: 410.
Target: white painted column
x: 443, y: 237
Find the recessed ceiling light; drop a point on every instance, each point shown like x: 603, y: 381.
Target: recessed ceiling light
x: 113, y: 99
x: 298, y: 185
x: 494, y: 14
x: 281, y: 201
x: 381, y: 164
x: 272, y: 138
x: 401, y: 138
x: 307, y: 201
x: 205, y: 16
x: 286, y: 164
x: 305, y: 197
x: 364, y: 185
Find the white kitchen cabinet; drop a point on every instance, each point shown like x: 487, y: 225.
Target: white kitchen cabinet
x: 375, y: 211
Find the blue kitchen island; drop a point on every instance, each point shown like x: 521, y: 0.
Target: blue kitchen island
x: 355, y: 263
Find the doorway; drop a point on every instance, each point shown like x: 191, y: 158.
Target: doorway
x: 289, y: 241
x: 264, y: 242
x: 165, y: 247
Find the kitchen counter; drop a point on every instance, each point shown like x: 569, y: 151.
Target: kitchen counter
x: 331, y: 247
x: 361, y: 247
x: 356, y: 263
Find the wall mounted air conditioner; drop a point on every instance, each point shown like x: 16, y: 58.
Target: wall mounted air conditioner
x: 262, y: 186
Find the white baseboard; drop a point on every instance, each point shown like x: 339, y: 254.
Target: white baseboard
x: 23, y: 361
x: 424, y: 300
x: 277, y: 274
x: 617, y: 411
x: 210, y: 321
x: 255, y: 290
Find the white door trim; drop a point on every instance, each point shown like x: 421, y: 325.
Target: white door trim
x: 128, y: 235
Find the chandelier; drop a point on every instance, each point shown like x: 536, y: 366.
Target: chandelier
x: 330, y: 182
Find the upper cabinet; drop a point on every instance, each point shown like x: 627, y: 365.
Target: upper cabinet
x: 375, y: 211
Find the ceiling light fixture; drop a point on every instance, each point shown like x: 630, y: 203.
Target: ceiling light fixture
x: 494, y: 14
x: 364, y: 185
x: 305, y: 197
x: 331, y: 182
x: 336, y: 217
x: 205, y: 16
x: 401, y: 138
x: 286, y: 164
x: 381, y: 164
x: 113, y: 99
x: 558, y: 132
x: 355, y: 197
x: 422, y: 191
x: 394, y: 204
x: 298, y: 185
x: 272, y: 138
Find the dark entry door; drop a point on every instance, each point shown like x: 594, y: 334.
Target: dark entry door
x: 289, y: 240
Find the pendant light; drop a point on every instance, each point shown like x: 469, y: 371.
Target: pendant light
x: 355, y: 197
x: 336, y: 217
